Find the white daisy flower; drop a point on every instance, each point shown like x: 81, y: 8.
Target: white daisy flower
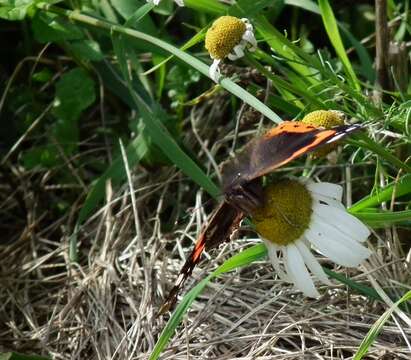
x: 156, y: 2
x: 299, y: 215
x: 228, y: 37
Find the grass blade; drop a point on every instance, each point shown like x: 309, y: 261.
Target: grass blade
x: 331, y: 27
x: 377, y: 327
x: 246, y: 257
x: 401, y: 187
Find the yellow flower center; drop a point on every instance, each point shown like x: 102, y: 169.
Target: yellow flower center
x: 323, y: 118
x: 225, y: 33
x: 326, y: 119
x: 286, y: 213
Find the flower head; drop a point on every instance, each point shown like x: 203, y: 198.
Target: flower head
x: 228, y: 36
x: 326, y: 119
x: 156, y: 2
x: 299, y: 215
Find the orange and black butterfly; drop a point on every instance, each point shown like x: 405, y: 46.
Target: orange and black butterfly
x: 242, y: 186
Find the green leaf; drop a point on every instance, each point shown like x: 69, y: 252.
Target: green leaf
x: 53, y: 28
x: 86, y: 50
x: 331, y: 27
x: 42, y: 76
x: 360, y: 288
x: 304, y: 4
x: 377, y: 327
x: 249, y: 8
x: 139, y: 14
x: 75, y: 92
x: 40, y: 156
x: 207, y: 6
x: 383, y: 218
x: 401, y: 187
x: 17, y: 356
x: 15, y: 9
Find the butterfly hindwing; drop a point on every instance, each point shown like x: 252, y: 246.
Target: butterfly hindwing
x: 224, y: 221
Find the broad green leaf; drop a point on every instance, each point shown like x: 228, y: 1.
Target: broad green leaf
x: 86, y: 49
x: 331, y: 27
x: 53, y: 28
x: 304, y: 4
x: 75, y: 92
x: 208, y: 6
x: 242, y: 8
x: 42, y: 76
x: 15, y: 9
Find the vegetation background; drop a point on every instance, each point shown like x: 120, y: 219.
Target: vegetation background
x: 111, y: 134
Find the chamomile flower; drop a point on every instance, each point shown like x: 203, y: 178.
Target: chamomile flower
x: 228, y: 37
x: 300, y: 215
x: 326, y: 119
x: 156, y: 2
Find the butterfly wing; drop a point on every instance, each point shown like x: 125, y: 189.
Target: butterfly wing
x: 277, y: 147
x: 224, y: 221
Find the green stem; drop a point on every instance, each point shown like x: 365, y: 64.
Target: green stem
x: 185, y: 57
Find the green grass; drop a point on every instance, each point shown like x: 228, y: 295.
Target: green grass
x: 91, y: 74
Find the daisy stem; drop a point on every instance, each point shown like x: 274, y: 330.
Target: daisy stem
x: 227, y: 84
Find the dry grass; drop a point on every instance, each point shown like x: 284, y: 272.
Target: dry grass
x: 105, y: 306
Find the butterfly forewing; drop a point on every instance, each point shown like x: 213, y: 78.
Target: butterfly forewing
x: 276, y: 148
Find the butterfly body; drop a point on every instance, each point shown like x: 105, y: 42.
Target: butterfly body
x: 242, y: 188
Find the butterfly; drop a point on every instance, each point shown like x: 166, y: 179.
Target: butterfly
x: 242, y: 187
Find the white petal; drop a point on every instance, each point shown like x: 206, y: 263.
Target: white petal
x: 272, y: 254
x: 298, y: 272
x: 249, y: 37
x: 232, y: 56
x: 179, y: 2
x: 327, y: 200
x: 214, y: 70
x: 336, y: 245
x: 326, y: 189
x: 312, y: 263
x: 238, y: 51
x: 343, y: 221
